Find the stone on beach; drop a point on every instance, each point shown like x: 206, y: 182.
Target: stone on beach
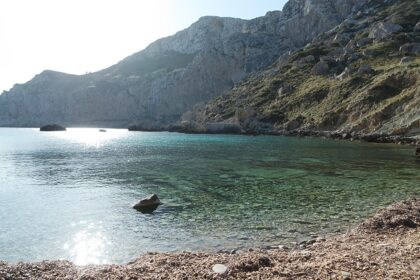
x: 220, y: 268
x: 148, y: 205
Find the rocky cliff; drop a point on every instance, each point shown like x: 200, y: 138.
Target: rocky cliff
x: 359, y: 80
x: 154, y: 87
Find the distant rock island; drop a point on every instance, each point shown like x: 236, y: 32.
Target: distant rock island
x: 52, y: 127
x: 346, y: 69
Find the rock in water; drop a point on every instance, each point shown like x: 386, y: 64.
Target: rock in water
x: 52, y: 127
x: 418, y: 151
x: 102, y: 130
x: 148, y: 205
x: 220, y: 268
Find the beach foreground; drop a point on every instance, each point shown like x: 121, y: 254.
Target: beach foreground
x: 385, y: 246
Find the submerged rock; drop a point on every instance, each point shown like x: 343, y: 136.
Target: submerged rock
x: 148, y: 205
x: 52, y: 127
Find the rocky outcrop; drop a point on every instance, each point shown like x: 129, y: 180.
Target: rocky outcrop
x: 188, y: 127
x: 383, y: 30
x: 52, y: 127
x: 157, y: 85
x: 355, y: 87
x: 194, y: 127
x: 148, y: 205
x: 146, y: 126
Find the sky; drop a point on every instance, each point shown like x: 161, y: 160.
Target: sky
x: 79, y: 36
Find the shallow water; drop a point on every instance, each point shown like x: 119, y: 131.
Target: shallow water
x: 68, y: 195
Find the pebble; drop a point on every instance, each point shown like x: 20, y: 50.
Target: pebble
x: 220, y: 268
x: 320, y: 239
x: 346, y: 275
x: 283, y: 247
x: 311, y: 241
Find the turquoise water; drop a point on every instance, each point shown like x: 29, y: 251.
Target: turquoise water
x: 68, y: 195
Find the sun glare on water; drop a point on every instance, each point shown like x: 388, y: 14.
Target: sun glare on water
x: 88, y: 245
x: 92, y: 136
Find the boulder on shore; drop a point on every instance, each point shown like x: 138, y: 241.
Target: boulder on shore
x: 52, y: 127
x: 148, y: 205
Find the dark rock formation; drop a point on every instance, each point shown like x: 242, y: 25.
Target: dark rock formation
x: 148, y: 205
x: 194, y: 127
x: 418, y: 151
x: 188, y: 127
x: 146, y: 126
x: 223, y: 128
x: 52, y: 127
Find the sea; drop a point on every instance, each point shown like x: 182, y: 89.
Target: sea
x: 69, y: 195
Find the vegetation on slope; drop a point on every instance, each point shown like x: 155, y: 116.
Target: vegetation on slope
x: 360, y: 78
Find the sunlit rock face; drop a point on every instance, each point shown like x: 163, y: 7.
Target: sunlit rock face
x: 173, y: 74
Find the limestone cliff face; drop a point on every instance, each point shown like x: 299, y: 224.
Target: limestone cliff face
x: 157, y: 85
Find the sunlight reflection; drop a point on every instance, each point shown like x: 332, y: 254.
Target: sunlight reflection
x: 87, y: 247
x: 91, y: 136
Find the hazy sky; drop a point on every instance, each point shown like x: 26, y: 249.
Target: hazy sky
x: 77, y: 36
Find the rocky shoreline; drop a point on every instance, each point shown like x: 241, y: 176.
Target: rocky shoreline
x: 228, y: 128
x: 385, y: 246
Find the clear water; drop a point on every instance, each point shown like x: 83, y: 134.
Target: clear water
x: 68, y: 195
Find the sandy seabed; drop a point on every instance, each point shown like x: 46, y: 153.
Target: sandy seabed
x: 385, y: 246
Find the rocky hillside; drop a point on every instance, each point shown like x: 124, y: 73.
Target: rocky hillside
x: 154, y: 87
x: 360, y: 79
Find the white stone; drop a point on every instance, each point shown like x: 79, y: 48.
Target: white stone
x: 220, y: 268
